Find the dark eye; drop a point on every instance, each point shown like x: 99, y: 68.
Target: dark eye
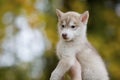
x: 62, y: 26
x: 73, y: 26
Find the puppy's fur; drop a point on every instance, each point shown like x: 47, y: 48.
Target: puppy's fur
x: 74, y: 50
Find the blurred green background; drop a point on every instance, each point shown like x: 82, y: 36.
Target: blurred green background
x: 28, y: 35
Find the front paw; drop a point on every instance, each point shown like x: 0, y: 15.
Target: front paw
x: 54, y: 76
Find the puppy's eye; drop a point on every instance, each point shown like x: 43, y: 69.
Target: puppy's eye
x: 62, y: 26
x: 73, y: 26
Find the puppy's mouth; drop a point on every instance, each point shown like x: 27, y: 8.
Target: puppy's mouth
x: 67, y: 39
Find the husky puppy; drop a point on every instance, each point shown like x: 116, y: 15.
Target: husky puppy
x: 75, y: 52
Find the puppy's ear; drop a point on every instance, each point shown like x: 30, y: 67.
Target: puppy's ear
x: 59, y: 13
x: 84, y: 17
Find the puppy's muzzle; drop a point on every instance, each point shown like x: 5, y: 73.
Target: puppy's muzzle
x: 64, y: 36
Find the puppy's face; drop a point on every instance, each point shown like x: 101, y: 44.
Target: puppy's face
x: 71, y: 25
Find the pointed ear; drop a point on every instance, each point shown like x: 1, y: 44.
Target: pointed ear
x: 59, y: 13
x: 84, y: 17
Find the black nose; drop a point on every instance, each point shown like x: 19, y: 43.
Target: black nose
x: 64, y: 36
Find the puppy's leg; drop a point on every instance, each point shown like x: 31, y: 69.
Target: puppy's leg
x: 75, y: 71
x: 63, y: 66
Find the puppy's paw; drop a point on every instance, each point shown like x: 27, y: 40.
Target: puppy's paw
x: 54, y: 76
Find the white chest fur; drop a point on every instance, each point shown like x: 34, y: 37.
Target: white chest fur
x: 67, y: 49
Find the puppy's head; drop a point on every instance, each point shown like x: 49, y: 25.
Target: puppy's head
x: 71, y: 25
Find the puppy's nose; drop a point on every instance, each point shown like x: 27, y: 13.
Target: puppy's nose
x: 64, y: 36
